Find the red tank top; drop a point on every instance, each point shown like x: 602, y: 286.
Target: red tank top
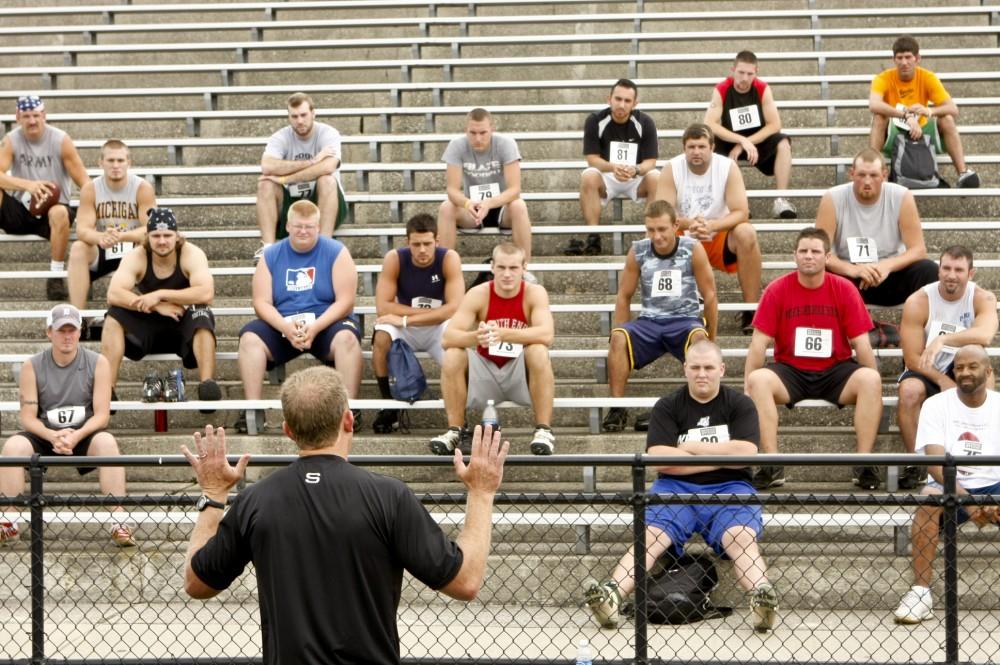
x: 506, y: 313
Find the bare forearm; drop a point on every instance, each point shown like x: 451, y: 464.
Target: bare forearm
x: 475, y: 538
x: 193, y: 295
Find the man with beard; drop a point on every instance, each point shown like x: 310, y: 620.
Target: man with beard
x: 300, y: 161
x: 815, y: 319
x: 159, y: 303
x: 938, y: 319
x: 964, y: 420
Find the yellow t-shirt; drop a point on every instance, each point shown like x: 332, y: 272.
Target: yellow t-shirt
x: 923, y: 88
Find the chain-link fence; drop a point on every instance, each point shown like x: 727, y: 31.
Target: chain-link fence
x: 840, y: 566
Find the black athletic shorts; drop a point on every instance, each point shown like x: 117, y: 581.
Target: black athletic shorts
x: 767, y: 151
x: 16, y: 220
x: 827, y: 384
x: 44, y: 447
x: 898, y: 286
x: 155, y: 333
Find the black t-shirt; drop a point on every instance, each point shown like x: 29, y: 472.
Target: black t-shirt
x: 329, y: 543
x: 600, y: 130
x: 676, y: 414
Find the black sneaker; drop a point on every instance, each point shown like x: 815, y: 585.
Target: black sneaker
x: 769, y: 476
x: 968, y: 179
x: 465, y: 441
x: 615, y: 420
x: 152, y: 387
x: 574, y: 248
x: 55, y: 289
x: 866, y: 477
x: 746, y: 322
x: 241, y: 422
x: 386, y: 421
x: 642, y: 423
x: 911, y: 477
x: 209, y: 391
x: 593, y: 247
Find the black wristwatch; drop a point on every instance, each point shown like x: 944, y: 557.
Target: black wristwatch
x: 204, y: 502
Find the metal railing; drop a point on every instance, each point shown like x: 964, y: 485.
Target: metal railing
x: 69, y: 596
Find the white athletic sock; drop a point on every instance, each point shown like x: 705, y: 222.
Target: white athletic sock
x: 57, y: 265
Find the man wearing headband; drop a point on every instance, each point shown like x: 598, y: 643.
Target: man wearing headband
x: 37, y: 155
x: 65, y: 394
x: 111, y: 220
x: 159, y: 303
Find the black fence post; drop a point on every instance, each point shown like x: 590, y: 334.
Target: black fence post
x: 639, y: 560
x: 950, y: 560
x: 37, y: 562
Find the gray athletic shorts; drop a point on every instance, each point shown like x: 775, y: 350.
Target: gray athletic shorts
x: 489, y: 382
x: 420, y: 338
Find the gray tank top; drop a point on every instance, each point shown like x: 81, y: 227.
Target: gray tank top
x: 667, y: 282
x: 41, y: 160
x: 119, y: 209
x: 65, y: 394
x: 944, y: 316
x: 879, y: 221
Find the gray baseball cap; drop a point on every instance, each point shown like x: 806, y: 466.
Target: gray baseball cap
x: 63, y: 314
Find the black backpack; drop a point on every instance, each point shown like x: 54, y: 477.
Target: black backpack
x: 680, y: 592
x: 912, y: 164
x: 406, y: 378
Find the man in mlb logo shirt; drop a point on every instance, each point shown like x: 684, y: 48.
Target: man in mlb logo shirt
x: 303, y: 295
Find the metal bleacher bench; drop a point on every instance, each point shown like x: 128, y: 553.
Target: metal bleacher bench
x: 581, y: 522
x: 193, y: 119
x: 107, y: 12
x: 49, y: 75
x: 416, y: 42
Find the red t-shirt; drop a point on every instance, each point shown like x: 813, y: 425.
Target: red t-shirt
x: 506, y: 313
x: 787, y: 309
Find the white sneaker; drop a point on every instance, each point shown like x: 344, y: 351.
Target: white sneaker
x: 604, y: 602
x: 445, y: 444
x: 8, y: 532
x: 543, y: 442
x: 784, y: 209
x: 916, y: 606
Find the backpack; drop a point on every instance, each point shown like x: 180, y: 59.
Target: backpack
x: 406, y: 378
x: 912, y: 164
x: 680, y: 592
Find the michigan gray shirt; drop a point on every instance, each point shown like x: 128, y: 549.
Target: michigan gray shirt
x: 879, y: 221
x: 482, y: 168
x: 667, y: 282
x: 40, y: 160
x: 117, y: 209
x: 65, y: 394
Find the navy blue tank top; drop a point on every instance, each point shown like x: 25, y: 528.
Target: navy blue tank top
x: 414, y: 282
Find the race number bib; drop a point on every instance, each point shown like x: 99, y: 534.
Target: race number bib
x: 862, y: 250
x: 300, y: 190
x: 624, y: 153
x: 813, y: 342
x: 421, y: 302
x: 666, y: 284
x: 506, y: 349
x: 745, y: 117
x: 968, y: 446
x: 301, y: 320
x: 483, y: 192
x: 118, y: 251
x: 65, y: 416
x: 716, y: 434
x: 938, y: 328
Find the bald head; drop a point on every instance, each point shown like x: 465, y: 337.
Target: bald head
x: 972, y: 353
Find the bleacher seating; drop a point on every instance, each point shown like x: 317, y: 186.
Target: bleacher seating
x: 198, y: 95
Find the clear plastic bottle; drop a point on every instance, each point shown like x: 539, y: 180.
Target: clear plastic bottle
x: 490, y: 416
x: 584, y: 654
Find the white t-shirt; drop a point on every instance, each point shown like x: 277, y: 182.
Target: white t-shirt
x: 946, y: 421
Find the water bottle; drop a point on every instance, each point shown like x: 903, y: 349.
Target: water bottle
x: 584, y: 655
x: 490, y: 417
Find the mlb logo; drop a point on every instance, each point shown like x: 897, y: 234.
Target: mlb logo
x: 300, y: 279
